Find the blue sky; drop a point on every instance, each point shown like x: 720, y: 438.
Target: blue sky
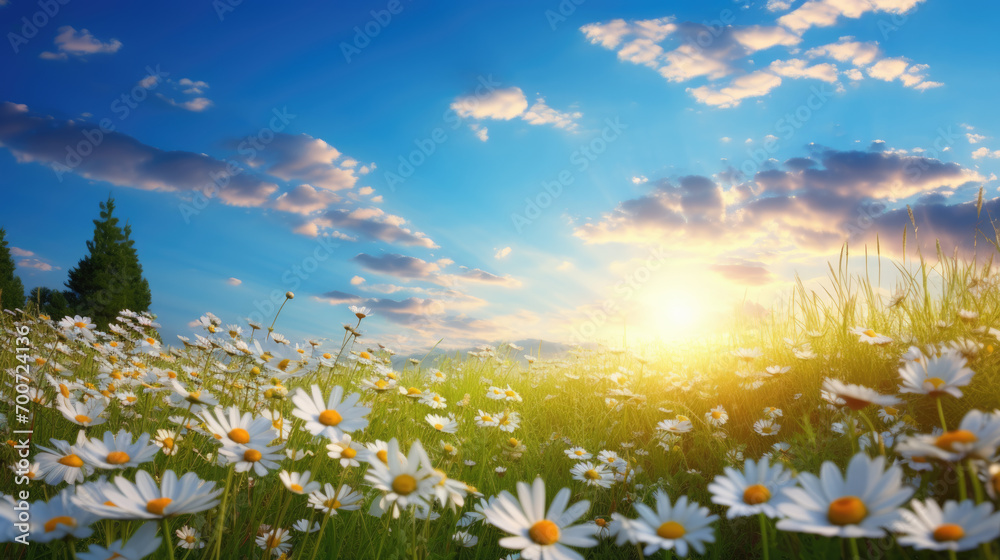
x: 708, y: 151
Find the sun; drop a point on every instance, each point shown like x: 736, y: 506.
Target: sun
x: 676, y: 312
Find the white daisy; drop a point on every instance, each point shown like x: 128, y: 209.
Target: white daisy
x: 405, y: 481
x: 537, y: 533
x: 754, y: 490
x: 334, y: 416
x: 143, y: 499
x: 958, y: 526
x: 861, y: 504
x: 141, y: 544
x: 679, y: 527
x: 592, y: 474
x: 118, y: 451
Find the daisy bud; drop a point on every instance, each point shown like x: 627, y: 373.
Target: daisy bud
x: 289, y: 295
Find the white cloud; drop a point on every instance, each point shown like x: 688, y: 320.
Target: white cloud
x: 778, y: 5
x: 846, y: 49
x: 502, y: 253
x: 725, y: 139
x: 639, y: 179
x: 234, y: 281
x: 798, y: 68
x: 824, y: 13
x: 357, y: 281
x: 760, y: 37
x: 974, y: 138
x: 985, y: 152
x: 19, y: 252
x: 69, y: 41
x: 511, y: 103
x: 500, y: 104
x: 754, y: 84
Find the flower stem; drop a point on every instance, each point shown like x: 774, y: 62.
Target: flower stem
x: 855, y: 554
x: 763, y: 537
x: 944, y: 425
x: 168, y: 537
x: 222, y: 514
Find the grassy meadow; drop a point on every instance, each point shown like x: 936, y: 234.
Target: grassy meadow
x: 636, y: 433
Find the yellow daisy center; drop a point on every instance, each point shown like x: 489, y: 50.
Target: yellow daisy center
x: 82, y: 418
x: 332, y: 503
x: 117, y: 458
x: 252, y: 455
x: 438, y: 426
x: 413, y: 391
x: 71, y: 460
x: 871, y: 333
x: 348, y: 453
x: 330, y: 418
x: 544, y: 532
x: 756, y: 494
x: 189, y: 539
x: 51, y: 524
x: 168, y: 442
x: 592, y: 474
x: 670, y: 530
x: 296, y: 488
x: 849, y: 510
x: 936, y: 382
x: 716, y: 414
x: 404, y: 484
x: 157, y: 505
x: 80, y: 325
x: 239, y: 435
x: 382, y: 455
x: 947, y: 440
x: 891, y: 411
x: 948, y: 532
x: 579, y: 452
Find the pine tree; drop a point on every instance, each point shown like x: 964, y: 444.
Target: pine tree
x: 11, y: 288
x: 109, y: 279
x: 50, y: 302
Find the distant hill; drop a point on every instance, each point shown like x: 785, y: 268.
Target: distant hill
x: 529, y: 346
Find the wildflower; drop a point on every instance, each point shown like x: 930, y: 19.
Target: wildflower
x: 860, y: 504
x: 680, y: 527
x: 592, y: 474
x: 59, y: 518
x: 141, y: 544
x: 82, y: 413
x: 144, y: 499
x: 537, y: 533
x: 61, y: 463
x: 577, y: 453
x: 331, y: 500
x: 935, y: 375
x: 189, y: 538
x: 869, y: 336
x: 445, y: 424
x: 302, y: 526
x: 753, y: 491
x: 977, y: 436
x: 239, y: 431
x: 117, y: 451
x: 404, y: 480
x: 346, y: 451
x: 484, y: 420
x: 275, y: 540
x: 717, y: 416
x: 956, y: 527
x: 464, y: 539
x: 766, y: 427
x: 298, y: 483
x: 855, y: 397
x: 434, y: 401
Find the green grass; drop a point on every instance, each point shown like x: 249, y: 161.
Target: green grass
x: 563, y: 400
